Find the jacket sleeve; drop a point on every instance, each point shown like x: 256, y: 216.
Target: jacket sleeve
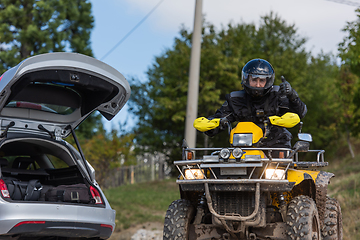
x: 298, y: 106
x: 224, y: 111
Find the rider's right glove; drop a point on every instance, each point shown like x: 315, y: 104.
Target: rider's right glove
x: 286, y: 89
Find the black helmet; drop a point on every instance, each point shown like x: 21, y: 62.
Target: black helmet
x: 257, y: 68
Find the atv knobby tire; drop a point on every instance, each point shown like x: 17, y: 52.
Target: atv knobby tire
x: 177, y: 220
x: 302, y: 219
x: 332, y: 229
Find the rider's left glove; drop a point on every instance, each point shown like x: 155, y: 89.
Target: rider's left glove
x: 286, y: 89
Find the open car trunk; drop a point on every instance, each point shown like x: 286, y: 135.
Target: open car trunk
x: 59, y: 91
x: 45, y: 170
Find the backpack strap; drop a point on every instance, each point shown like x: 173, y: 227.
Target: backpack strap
x: 19, y: 190
x: 33, y: 190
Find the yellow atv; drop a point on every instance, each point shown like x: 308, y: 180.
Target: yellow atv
x: 243, y: 192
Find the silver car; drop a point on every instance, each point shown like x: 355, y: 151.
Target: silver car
x: 48, y: 189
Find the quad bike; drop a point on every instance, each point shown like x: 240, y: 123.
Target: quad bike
x: 245, y: 192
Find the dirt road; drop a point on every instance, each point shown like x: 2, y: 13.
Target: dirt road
x: 146, y: 231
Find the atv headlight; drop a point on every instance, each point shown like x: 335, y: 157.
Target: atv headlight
x: 225, y: 153
x: 242, y: 139
x: 237, y: 153
x: 277, y: 174
x: 194, y: 174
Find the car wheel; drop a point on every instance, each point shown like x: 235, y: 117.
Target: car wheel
x: 332, y: 229
x: 177, y: 220
x: 302, y: 219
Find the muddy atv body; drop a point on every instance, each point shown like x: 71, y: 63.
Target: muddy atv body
x: 245, y: 193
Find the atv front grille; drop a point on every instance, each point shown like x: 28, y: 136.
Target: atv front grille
x: 233, y: 203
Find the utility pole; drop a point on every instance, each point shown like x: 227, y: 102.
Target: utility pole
x: 194, y: 75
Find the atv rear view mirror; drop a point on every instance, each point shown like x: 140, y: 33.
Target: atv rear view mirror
x: 305, y: 137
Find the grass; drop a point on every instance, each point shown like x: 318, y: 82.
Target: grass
x: 142, y: 202
x: 345, y: 187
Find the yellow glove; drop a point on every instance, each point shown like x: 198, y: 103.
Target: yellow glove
x: 203, y: 124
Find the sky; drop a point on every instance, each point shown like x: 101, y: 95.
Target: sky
x: 121, y: 23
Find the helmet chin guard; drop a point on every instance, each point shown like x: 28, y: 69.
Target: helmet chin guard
x: 257, y: 92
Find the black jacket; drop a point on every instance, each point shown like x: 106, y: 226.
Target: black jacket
x: 240, y: 106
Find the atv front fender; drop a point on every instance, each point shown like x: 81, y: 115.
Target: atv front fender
x: 298, y: 176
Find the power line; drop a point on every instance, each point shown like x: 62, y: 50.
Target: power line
x: 351, y: 3
x: 132, y: 30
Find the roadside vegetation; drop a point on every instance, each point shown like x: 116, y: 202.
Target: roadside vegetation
x: 345, y: 187
x: 142, y: 202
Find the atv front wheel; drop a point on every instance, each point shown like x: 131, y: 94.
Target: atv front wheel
x: 302, y: 219
x: 177, y: 220
x: 332, y: 229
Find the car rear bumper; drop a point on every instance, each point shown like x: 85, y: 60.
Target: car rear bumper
x: 61, y: 229
x: 51, y: 219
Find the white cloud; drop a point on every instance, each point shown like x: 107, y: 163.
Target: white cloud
x: 320, y: 21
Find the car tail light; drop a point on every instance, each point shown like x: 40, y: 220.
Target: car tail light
x: 107, y: 226
x: 4, y: 191
x: 96, y: 195
x: 29, y: 222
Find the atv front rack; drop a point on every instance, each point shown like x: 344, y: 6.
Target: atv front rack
x: 215, y: 159
x: 208, y: 163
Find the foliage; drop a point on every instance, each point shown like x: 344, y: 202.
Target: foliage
x: 318, y: 90
x: 141, y: 202
x: 108, y: 151
x: 90, y: 127
x: 33, y: 27
x: 350, y: 47
x: 345, y: 188
x: 350, y: 56
x: 160, y: 103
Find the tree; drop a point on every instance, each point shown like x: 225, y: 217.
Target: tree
x: 90, y: 127
x: 349, y: 83
x: 349, y: 48
x: 108, y: 151
x: 350, y: 56
x: 160, y: 103
x: 33, y: 27
x: 318, y: 90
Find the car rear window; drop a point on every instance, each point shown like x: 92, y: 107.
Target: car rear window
x: 48, y: 97
x: 57, y: 162
x: 52, y: 108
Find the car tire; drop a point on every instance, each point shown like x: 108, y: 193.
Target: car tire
x: 332, y: 229
x: 302, y: 219
x: 178, y: 219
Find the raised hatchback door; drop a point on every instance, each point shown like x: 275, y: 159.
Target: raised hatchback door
x: 60, y: 89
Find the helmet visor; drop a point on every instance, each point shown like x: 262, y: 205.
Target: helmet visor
x: 258, y: 81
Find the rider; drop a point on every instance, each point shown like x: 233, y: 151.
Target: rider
x: 261, y: 98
